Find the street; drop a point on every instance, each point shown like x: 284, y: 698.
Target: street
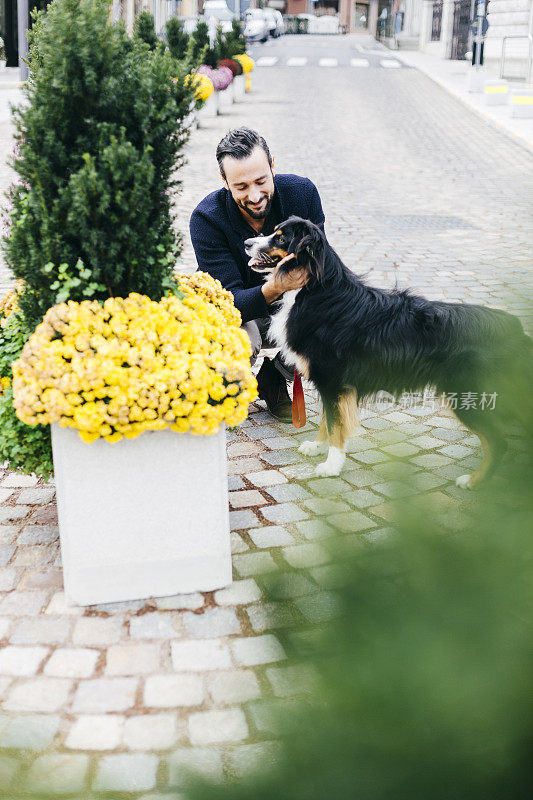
x: 418, y: 192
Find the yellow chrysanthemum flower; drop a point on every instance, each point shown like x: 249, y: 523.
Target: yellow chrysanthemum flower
x: 133, y: 364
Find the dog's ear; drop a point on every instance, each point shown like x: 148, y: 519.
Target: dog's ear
x: 311, y: 253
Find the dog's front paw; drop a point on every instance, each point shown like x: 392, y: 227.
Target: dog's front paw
x: 312, y: 448
x: 463, y: 482
x: 327, y: 470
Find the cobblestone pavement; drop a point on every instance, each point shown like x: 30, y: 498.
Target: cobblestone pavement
x: 416, y: 190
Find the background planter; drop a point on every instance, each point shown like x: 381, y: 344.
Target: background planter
x: 239, y: 86
x: 142, y: 517
x: 224, y: 99
x: 209, y: 108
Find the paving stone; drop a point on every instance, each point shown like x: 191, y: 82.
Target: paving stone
x: 8, y: 533
x: 401, y: 450
x: 6, y: 554
x: 360, y: 477
x: 395, y: 489
x: 241, y: 466
x: 39, y: 534
x: 288, y: 492
x: 98, y: 631
x: 267, y: 477
x: 173, y: 691
x: 238, y: 545
x: 328, y: 487
x: 9, y: 767
x: 132, y: 659
x: 280, y: 458
x: 5, y: 624
x: 270, y: 536
x: 369, y: 457
x: 280, y: 443
x: 200, y: 656
x: 237, y: 686
x: 8, y: 579
x: 322, y: 506
x: 241, y: 448
x: 283, y: 512
x: 235, y: 482
x: 428, y: 442
x: 395, y: 470
x: 201, y: 761
x: 254, y: 650
x: 212, y: 623
x: 17, y: 479
x: 329, y: 576
x: 295, y: 680
x: 242, y: 519
x: 44, y: 515
x: 150, y: 732
x: 41, y: 631
x: 250, y: 497
x: 261, y: 432
x: 19, y: 661
x: 58, y: 773
x: 246, y: 760
x: 305, y: 555
x: 8, y: 513
x: 315, y: 529
x: 352, y: 521
x: 33, y: 497
x: 38, y: 694
x: 30, y: 732
x: 155, y: 625
x: 101, y: 695
x: 126, y: 773
x: 288, y: 584
x: 254, y: 564
x: 239, y: 593
x: 214, y: 727
x: 432, y: 460
x: 59, y: 606
x: 5, y: 494
x: 319, y: 607
x: 267, y: 716
x: 73, y: 662
x: 362, y: 498
x: 18, y: 604
x: 301, y: 471
x: 456, y: 451
x: 194, y: 600
x: 95, y: 732
x: 271, y: 616
x: 36, y: 557
x: 448, y: 434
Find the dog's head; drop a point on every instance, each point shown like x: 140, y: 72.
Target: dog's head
x: 297, y: 237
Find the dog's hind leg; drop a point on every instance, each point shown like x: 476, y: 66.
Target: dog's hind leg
x: 492, y: 440
x: 342, y: 420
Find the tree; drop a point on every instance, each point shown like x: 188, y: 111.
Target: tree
x: 200, y: 38
x: 177, y: 39
x: 144, y: 29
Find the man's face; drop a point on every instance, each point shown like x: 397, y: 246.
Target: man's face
x: 250, y: 182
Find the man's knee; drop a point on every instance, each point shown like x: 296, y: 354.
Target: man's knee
x: 254, y: 335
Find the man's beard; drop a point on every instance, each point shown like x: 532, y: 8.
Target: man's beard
x: 258, y: 214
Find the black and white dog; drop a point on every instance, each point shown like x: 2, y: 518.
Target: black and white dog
x: 352, y: 340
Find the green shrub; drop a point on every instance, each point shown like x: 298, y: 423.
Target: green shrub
x: 99, y: 141
x: 200, y: 42
x: 144, y: 29
x: 177, y: 39
x: 235, y: 43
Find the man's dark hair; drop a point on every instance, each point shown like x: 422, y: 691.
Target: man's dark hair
x: 238, y: 144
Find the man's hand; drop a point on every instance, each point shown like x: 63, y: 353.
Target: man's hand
x: 285, y: 282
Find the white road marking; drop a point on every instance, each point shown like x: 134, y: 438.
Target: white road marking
x: 390, y: 63
x: 266, y: 61
x: 359, y: 62
x: 296, y: 62
x: 327, y: 62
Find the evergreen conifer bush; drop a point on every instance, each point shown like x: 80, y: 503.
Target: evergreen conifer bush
x: 177, y: 39
x: 144, y: 29
x: 99, y: 141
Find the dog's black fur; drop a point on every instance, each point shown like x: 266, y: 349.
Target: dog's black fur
x: 355, y: 336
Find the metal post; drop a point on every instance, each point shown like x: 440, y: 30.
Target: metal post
x: 23, y: 23
x: 479, y: 31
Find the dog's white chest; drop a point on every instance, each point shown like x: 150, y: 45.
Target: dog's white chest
x: 278, y: 328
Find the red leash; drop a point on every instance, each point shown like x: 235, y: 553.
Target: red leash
x: 298, y: 401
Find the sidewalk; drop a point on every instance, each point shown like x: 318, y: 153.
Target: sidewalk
x: 452, y: 76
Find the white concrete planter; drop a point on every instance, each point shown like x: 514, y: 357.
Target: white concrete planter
x: 143, y: 517
x: 239, y: 86
x: 209, y: 108
x: 224, y: 100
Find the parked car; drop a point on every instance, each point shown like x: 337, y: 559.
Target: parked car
x: 276, y: 26
x: 256, y: 25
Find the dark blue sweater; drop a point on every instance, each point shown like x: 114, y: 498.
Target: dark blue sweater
x: 218, y: 231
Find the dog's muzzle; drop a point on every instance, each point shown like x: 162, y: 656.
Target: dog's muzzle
x: 258, y: 249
